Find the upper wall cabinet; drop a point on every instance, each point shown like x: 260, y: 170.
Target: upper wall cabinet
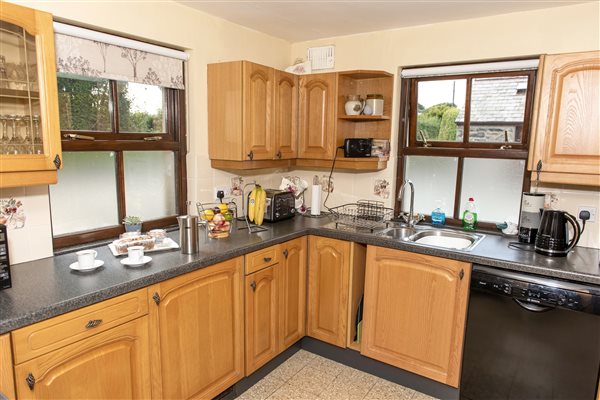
x: 317, y: 116
x: 30, y: 134
x: 251, y: 113
x: 286, y: 115
x: 259, y: 117
x: 566, y: 124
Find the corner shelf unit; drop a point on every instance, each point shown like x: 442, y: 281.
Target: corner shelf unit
x: 362, y: 83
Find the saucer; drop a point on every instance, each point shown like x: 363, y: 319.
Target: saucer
x: 97, y: 264
x: 128, y: 263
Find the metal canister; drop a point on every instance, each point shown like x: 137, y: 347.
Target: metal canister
x: 188, y: 233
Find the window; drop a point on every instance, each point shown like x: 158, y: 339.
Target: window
x: 123, y: 154
x: 466, y: 135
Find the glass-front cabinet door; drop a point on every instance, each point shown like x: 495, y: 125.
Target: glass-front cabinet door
x: 29, y: 126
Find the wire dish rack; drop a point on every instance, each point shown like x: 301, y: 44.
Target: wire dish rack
x: 363, y: 215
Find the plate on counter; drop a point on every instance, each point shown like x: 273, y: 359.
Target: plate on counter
x: 167, y: 244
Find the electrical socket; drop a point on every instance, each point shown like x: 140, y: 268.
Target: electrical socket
x: 592, y: 211
x: 225, y: 189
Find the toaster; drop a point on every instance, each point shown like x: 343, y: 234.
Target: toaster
x: 279, y: 205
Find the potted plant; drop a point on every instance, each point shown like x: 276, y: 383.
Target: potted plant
x: 132, y: 224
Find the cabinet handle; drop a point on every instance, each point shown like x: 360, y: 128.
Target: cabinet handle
x: 461, y: 274
x: 253, y: 286
x: 267, y: 259
x: 285, y: 253
x: 92, y: 323
x: 57, y: 162
x: 279, y: 154
x: 251, y: 155
x: 538, y: 170
x: 156, y: 298
x: 30, y: 381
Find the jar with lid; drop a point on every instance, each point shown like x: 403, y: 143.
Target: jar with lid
x: 375, y: 103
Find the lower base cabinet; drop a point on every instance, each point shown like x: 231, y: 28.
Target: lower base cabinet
x: 275, y: 301
x: 414, y: 312
x: 197, y: 332
x: 109, y: 365
x: 328, y: 281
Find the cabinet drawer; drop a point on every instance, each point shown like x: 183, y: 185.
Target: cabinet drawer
x: 43, y: 337
x: 261, y: 259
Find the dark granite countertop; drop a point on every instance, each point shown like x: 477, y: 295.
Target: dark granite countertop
x: 45, y: 288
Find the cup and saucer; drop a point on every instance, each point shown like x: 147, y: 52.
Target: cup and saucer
x: 86, y: 261
x: 135, y: 257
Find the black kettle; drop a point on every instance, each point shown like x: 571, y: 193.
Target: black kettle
x: 552, y: 237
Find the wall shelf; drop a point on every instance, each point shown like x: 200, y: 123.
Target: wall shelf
x: 364, y: 117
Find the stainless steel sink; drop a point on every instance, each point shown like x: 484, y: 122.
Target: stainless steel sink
x: 398, y: 233
x: 435, y: 237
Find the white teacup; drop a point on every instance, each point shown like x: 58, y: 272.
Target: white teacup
x: 86, y: 258
x: 135, y: 254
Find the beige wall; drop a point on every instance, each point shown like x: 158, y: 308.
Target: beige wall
x: 556, y: 30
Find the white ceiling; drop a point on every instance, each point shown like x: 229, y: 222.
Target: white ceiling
x: 298, y: 21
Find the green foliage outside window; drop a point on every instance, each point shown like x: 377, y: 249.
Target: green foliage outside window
x: 84, y: 105
x: 438, y: 122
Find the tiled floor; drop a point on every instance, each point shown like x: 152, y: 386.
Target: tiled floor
x: 307, y: 376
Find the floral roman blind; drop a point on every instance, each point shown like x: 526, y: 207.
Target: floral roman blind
x: 84, y: 57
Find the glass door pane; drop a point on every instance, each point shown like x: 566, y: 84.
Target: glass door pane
x: 20, y: 128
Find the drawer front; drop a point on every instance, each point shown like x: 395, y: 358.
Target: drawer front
x: 261, y: 259
x: 43, y: 337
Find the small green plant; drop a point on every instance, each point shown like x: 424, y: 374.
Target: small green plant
x: 131, y: 220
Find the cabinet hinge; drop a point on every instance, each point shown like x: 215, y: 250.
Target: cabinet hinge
x: 156, y: 298
x: 30, y: 381
x: 57, y: 162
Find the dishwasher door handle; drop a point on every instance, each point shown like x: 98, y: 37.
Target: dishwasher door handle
x: 532, y: 307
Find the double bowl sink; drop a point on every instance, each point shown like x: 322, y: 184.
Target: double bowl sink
x: 434, y: 237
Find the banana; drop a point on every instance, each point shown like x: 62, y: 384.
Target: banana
x: 261, y: 198
x: 251, y: 205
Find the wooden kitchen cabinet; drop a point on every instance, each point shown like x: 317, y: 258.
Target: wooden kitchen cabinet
x: 317, y: 116
x: 275, y: 301
x: 292, y: 304
x: 415, y: 311
x: 197, y: 332
x: 99, y: 351
x: 328, y: 284
x: 29, y: 124
x: 566, y: 121
x: 7, y: 379
x: 245, y: 128
x: 113, y: 364
x: 262, y: 330
x: 286, y: 115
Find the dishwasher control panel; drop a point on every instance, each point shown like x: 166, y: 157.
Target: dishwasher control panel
x: 536, y: 293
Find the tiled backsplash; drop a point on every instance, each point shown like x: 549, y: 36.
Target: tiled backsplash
x: 30, y: 238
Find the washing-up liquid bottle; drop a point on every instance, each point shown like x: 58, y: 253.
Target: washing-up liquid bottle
x: 470, y: 215
x: 438, y: 216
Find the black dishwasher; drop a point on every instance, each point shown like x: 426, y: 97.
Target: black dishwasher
x: 530, y: 337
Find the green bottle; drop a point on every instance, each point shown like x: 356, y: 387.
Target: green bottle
x: 470, y: 215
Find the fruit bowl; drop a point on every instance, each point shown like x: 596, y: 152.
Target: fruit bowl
x: 217, y: 218
x: 220, y: 225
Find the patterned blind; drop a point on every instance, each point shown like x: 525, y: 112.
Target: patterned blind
x: 90, y: 58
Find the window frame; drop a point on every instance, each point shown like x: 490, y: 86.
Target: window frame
x: 174, y: 139
x: 410, y: 145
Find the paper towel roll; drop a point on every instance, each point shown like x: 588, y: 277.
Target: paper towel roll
x: 315, y: 201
